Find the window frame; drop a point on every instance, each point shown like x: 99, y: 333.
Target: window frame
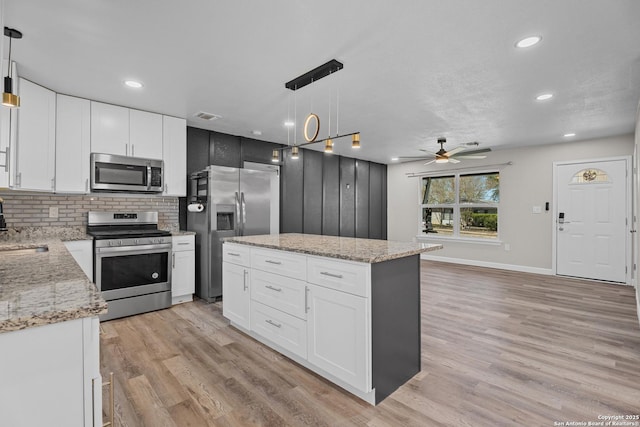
x: 457, y: 207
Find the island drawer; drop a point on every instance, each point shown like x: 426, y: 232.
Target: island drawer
x: 236, y: 254
x: 280, y: 262
x: 285, y: 330
x: 343, y: 276
x: 283, y: 293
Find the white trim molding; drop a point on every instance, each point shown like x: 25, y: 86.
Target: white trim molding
x: 512, y: 267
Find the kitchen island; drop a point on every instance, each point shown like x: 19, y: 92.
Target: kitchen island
x: 346, y: 308
x: 49, y: 336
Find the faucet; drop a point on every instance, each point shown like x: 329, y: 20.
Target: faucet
x: 3, y: 224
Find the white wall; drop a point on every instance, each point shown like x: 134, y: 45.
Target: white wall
x: 526, y: 183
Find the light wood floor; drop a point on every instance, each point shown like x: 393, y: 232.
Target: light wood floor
x: 498, y: 348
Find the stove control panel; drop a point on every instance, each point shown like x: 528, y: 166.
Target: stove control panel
x: 139, y: 241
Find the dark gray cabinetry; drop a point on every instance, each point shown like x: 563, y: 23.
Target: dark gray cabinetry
x: 256, y: 151
x: 362, y: 199
x: 291, y: 193
x: 384, y: 203
x: 347, y: 197
x: 312, y: 196
x: 330, y: 195
x: 197, y: 149
x: 376, y: 191
x: 224, y: 150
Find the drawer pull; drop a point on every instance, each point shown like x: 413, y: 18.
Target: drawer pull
x: 337, y: 276
x: 186, y: 243
x: 271, y: 322
x: 273, y: 289
x: 273, y: 262
x: 232, y: 254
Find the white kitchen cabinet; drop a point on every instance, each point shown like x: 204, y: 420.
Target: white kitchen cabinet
x: 236, y: 305
x: 82, y: 253
x: 183, y: 272
x: 47, y: 374
x: 109, y: 129
x: 35, y: 138
x: 73, y: 144
x: 8, y: 125
x: 337, y: 335
x: 287, y: 331
x: 145, y: 134
x: 174, y: 153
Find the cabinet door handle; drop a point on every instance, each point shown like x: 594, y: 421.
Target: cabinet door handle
x: 233, y: 254
x: 173, y: 260
x: 273, y: 262
x: 132, y: 152
x: 183, y: 243
x: 86, y: 185
x: 273, y: 289
x: 19, y: 179
x: 244, y: 279
x: 326, y: 273
x: 271, y: 322
x: 53, y: 183
x: 126, y: 149
x: 306, y: 299
x: 111, y: 401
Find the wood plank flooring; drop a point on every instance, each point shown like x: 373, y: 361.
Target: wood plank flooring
x: 498, y: 348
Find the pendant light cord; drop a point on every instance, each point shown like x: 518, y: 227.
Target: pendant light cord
x: 9, y: 65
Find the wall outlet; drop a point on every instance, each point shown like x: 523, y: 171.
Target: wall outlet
x: 53, y: 212
x: 537, y: 209
x: 507, y: 247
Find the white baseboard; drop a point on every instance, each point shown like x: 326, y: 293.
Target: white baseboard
x: 512, y: 267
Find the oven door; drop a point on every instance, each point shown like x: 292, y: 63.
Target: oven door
x: 127, y: 271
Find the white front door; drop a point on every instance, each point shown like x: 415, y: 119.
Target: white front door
x: 592, y: 220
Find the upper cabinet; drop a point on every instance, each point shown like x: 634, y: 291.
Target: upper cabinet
x: 126, y: 132
x: 73, y: 144
x: 174, y: 149
x: 109, y: 129
x: 145, y: 134
x: 36, y: 133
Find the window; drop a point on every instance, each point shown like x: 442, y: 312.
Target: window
x: 461, y: 205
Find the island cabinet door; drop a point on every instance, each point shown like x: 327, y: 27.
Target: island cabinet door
x: 337, y: 335
x: 237, y: 294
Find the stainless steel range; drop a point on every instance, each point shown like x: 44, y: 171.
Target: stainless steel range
x: 132, y: 262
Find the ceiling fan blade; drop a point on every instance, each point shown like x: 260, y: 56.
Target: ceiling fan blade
x: 452, y: 160
x: 428, y: 163
x: 454, y: 151
x: 473, y: 157
x: 480, y: 151
x: 413, y: 157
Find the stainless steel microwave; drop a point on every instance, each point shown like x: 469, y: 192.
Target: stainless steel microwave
x: 122, y: 173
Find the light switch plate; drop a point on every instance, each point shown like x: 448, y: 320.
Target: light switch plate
x: 53, y: 212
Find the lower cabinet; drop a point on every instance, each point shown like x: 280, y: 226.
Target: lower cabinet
x: 236, y: 303
x: 183, y: 268
x: 50, y: 375
x: 336, y: 334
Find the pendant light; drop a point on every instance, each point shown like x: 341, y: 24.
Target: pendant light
x: 355, y: 140
x: 9, y: 99
x: 275, y: 156
x: 328, y: 146
x: 294, y: 153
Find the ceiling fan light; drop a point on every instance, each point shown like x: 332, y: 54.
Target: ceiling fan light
x: 355, y: 141
x: 294, y: 153
x: 442, y: 160
x: 275, y: 156
x: 328, y: 146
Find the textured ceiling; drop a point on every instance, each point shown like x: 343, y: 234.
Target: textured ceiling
x: 414, y: 70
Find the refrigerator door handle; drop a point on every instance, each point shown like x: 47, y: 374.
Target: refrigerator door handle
x: 244, y: 211
x: 238, y: 230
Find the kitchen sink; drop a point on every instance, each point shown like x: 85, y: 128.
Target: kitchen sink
x: 24, y: 251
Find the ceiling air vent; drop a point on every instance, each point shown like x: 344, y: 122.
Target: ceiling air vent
x: 207, y: 116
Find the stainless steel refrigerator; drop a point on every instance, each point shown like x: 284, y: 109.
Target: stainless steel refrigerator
x: 225, y: 202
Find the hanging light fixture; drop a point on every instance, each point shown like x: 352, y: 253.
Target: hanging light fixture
x: 9, y: 99
x: 355, y: 140
x: 294, y: 153
x: 328, y: 146
x: 275, y: 156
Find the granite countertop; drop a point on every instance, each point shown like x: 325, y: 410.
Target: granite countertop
x: 39, y: 288
x: 183, y: 233
x: 348, y: 248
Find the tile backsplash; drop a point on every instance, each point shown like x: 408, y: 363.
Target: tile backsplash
x: 26, y: 209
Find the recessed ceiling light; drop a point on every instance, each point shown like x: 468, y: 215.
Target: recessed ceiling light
x: 569, y: 135
x: 134, y: 84
x: 529, y: 41
x: 394, y: 159
x: 256, y: 132
x: 544, y: 96
x: 289, y: 124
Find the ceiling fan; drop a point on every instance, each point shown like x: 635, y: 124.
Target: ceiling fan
x: 443, y: 156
